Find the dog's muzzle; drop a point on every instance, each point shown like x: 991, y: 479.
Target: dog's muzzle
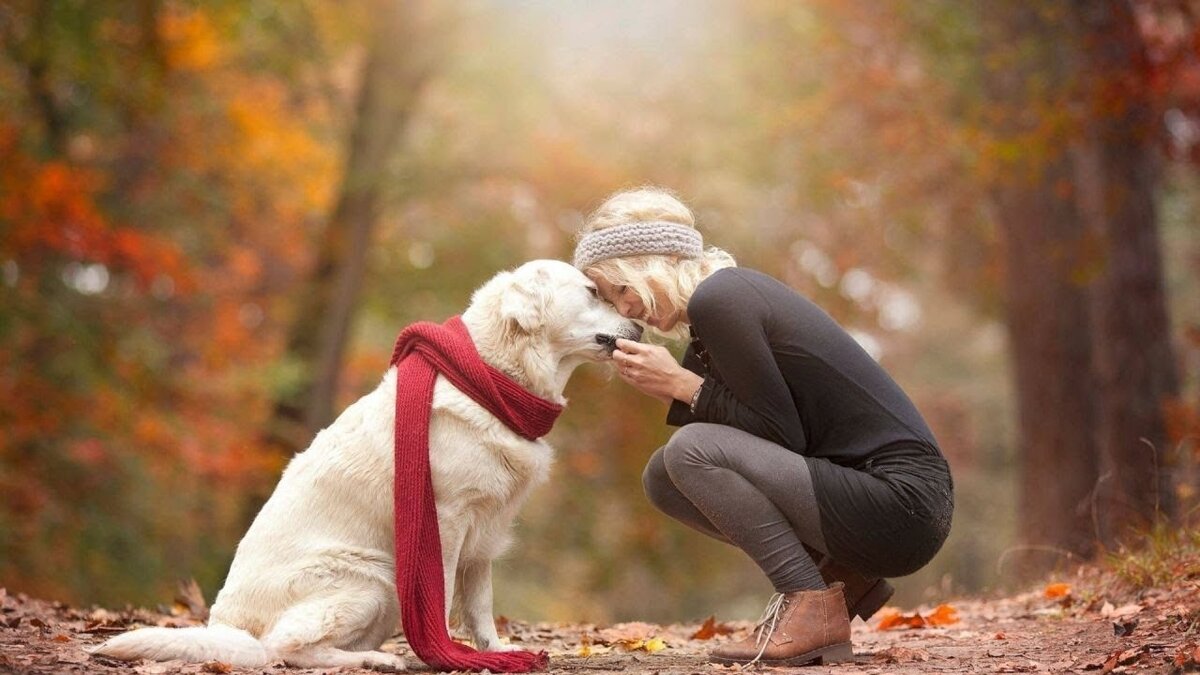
x: 609, y: 340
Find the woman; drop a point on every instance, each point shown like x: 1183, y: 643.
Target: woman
x: 794, y: 445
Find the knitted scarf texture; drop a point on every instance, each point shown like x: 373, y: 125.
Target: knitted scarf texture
x: 423, y: 350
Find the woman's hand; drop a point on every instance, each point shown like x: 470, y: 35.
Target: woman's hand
x: 652, y: 370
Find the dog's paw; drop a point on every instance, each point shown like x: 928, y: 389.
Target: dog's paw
x: 385, y: 663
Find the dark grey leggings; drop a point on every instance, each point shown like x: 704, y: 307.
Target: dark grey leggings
x: 744, y: 490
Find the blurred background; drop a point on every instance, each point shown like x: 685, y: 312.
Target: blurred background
x: 215, y: 217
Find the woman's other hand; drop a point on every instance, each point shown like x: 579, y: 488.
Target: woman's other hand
x: 653, y: 370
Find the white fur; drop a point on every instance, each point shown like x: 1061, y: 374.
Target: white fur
x: 312, y: 580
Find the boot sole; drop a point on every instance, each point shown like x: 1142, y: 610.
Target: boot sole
x: 873, y: 600
x: 817, y: 657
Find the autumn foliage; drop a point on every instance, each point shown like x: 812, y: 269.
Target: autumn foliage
x: 169, y: 171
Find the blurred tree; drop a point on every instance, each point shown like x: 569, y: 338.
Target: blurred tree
x: 1117, y: 168
x: 401, y: 55
x: 1076, y: 130
x: 155, y: 185
x: 1028, y: 65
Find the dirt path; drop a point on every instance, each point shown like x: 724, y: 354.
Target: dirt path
x: 1154, y: 631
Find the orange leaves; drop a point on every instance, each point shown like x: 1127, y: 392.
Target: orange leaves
x: 1056, y: 591
x: 628, y: 637
x: 191, y: 40
x: 942, y: 615
x: 711, y: 629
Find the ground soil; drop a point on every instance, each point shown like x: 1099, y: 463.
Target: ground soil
x: 1092, y: 627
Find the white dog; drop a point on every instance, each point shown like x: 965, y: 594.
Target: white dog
x: 312, y: 582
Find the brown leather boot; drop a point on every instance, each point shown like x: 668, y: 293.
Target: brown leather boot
x: 797, y: 628
x: 864, y: 596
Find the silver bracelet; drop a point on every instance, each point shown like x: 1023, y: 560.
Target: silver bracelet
x: 695, y: 397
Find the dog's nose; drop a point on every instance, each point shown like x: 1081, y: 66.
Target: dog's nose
x: 637, y: 332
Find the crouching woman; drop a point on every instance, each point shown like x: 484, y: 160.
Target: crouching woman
x: 794, y: 445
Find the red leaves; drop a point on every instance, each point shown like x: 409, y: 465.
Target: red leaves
x: 1187, y: 659
x: 53, y: 207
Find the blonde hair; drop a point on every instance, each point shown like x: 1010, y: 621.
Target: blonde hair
x: 676, y: 276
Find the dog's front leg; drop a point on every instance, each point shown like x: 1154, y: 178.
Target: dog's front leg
x: 477, y: 606
x: 453, y: 536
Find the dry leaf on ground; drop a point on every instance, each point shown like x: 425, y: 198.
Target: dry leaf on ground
x: 1055, y: 591
x: 711, y: 629
x: 942, y: 615
x: 650, y: 646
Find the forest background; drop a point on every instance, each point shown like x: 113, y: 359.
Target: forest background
x: 216, y: 216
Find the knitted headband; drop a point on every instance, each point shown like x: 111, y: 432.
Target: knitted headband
x: 657, y: 237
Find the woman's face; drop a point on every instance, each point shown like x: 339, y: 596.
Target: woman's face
x: 630, y: 306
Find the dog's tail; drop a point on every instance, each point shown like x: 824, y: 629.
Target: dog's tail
x: 215, y: 642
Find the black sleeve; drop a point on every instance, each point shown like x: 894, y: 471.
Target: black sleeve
x: 732, y: 318
x: 679, y: 413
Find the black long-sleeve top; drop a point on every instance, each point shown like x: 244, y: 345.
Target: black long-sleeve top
x: 777, y: 366
x: 782, y: 369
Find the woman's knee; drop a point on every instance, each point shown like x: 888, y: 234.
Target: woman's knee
x: 688, y: 448
x: 655, y: 480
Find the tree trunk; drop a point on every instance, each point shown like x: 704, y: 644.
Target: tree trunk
x: 1047, y: 306
x: 397, y: 65
x: 1131, y: 347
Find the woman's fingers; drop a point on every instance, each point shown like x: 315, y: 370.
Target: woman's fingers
x: 631, y: 347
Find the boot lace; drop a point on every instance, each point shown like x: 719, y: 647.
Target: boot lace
x: 765, y: 627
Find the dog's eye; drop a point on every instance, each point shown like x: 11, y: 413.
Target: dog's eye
x: 595, y: 292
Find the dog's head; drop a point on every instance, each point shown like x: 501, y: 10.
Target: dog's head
x: 542, y: 316
x: 556, y: 303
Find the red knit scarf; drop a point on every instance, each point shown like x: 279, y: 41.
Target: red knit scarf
x: 422, y: 351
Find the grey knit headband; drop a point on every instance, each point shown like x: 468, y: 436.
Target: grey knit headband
x: 657, y: 237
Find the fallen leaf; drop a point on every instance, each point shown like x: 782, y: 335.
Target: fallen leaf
x: 893, y: 618
x: 631, y: 645
x: 1055, y: 591
x: 1122, y: 658
x: 711, y: 629
x: 217, y: 667
x: 942, y: 615
x: 1000, y: 636
x: 61, y: 637
x: 1187, y: 658
x: 1124, y: 628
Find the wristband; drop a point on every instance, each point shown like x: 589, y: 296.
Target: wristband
x: 696, y: 397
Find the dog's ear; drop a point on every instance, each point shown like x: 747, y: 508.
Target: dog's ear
x: 524, y: 301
